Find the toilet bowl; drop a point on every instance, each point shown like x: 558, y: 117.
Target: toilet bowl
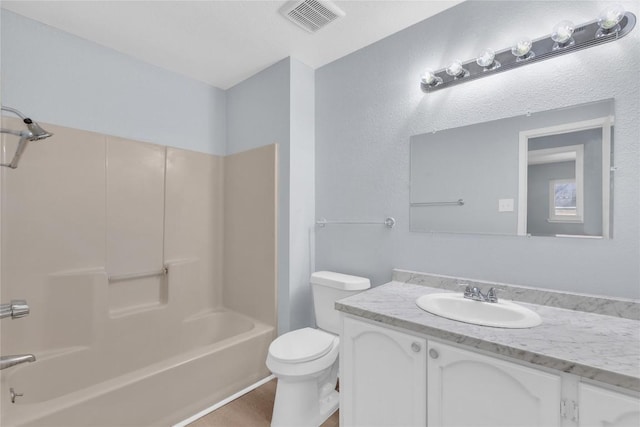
x: 305, y: 361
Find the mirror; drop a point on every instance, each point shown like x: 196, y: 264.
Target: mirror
x: 543, y: 174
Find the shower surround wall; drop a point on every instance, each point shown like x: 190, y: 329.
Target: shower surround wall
x: 89, y: 206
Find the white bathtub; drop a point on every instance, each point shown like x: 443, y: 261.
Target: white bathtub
x: 219, y: 353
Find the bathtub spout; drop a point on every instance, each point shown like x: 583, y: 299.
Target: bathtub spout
x: 9, y: 361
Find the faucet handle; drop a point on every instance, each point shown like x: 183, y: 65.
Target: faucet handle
x: 468, y: 291
x: 492, y: 295
x: 477, y: 293
x: 13, y: 395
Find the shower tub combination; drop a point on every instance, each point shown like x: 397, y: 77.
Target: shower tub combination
x: 219, y: 354
x: 134, y: 264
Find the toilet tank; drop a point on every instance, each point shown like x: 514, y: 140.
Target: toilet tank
x: 327, y: 288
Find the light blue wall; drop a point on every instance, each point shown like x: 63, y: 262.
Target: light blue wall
x: 368, y: 105
x: 302, y: 194
x: 55, y: 77
x: 258, y: 109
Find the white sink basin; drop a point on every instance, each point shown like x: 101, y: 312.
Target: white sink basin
x: 501, y: 314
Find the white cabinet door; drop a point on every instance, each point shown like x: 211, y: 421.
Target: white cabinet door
x: 604, y: 408
x: 468, y: 389
x: 382, y: 377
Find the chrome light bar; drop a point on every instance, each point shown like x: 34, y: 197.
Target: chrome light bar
x: 564, y: 39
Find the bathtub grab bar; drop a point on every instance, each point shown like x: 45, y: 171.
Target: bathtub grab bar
x: 120, y: 277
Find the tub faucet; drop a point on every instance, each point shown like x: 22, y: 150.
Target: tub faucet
x: 476, y: 294
x: 9, y: 361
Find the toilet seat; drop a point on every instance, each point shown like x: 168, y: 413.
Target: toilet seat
x: 290, y: 358
x: 301, y: 345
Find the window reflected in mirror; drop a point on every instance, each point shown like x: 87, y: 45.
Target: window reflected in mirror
x: 567, y: 186
x: 563, y: 204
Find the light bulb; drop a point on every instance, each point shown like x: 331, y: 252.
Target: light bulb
x: 486, y: 58
x: 611, y: 16
x: 522, y: 47
x: 429, y: 78
x: 562, y: 32
x: 455, y: 69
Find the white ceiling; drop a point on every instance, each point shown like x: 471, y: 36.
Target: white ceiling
x: 224, y: 42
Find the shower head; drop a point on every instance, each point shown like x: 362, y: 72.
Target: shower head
x: 33, y: 133
x: 37, y: 133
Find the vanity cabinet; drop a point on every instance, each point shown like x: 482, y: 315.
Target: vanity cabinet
x: 382, y: 376
x: 470, y: 389
x: 392, y: 378
x: 600, y: 407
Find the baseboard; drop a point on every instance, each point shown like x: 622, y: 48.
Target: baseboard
x: 212, y: 408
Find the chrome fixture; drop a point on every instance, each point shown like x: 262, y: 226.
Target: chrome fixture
x: 487, y: 60
x: 474, y: 293
x: 429, y: 78
x: 13, y: 395
x: 612, y: 24
x: 562, y: 34
x: 610, y: 20
x: 522, y: 49
x: 459, y: 202
x: 389, y: 222
x: 33, y: 133
x: 121, y: 277
x: 456, y: 70
x: 9, y: 361
x: 15, y: 309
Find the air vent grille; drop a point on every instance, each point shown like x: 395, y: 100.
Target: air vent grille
x: 311, y: 15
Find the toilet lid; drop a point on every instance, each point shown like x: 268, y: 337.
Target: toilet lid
x: 301, y: 345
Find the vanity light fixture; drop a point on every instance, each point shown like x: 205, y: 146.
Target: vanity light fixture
x: 562, y: 34
x: 610, y: 17
x: 487, y: 60
x: 522, y: 49
x: 430, y: 79
x: 612, y: 24
x: 456, y: 70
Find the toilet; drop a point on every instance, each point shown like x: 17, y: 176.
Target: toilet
x: 305, y: 361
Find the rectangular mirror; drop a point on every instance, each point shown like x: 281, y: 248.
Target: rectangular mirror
x: 543, y: 174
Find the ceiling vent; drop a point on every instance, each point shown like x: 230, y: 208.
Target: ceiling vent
x: 311, y: 15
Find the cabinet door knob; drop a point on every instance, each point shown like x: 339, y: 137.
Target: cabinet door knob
x: 416, y: 347
x: 433, y: 353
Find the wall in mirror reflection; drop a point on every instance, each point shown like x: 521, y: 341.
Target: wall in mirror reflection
x: 543, y: 174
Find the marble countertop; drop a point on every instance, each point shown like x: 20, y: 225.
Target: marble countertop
x: 599, y: 347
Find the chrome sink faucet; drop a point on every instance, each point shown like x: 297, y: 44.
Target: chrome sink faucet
x: 474, y: 293
x: 9, y: 361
